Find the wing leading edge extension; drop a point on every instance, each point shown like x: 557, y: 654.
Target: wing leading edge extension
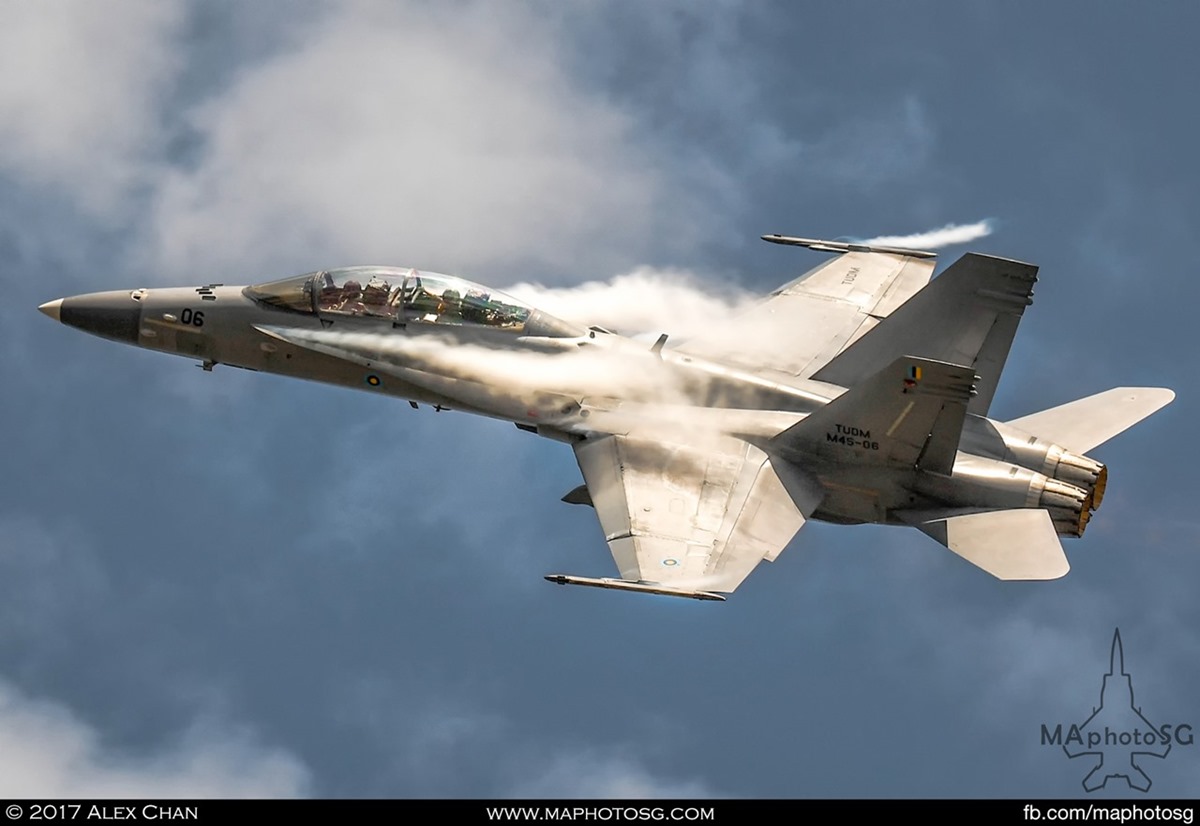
x: 688, y: 521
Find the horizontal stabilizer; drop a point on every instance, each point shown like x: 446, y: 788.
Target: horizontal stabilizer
x: 1012, y: 544
x: 909, y: 414
x: 627, y: 585
x: 1081, y: 425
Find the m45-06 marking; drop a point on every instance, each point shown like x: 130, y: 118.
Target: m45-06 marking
x: 852, y: 437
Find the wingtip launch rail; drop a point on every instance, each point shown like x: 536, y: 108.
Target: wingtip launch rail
x: 626, y: 585
x: 843, y: 246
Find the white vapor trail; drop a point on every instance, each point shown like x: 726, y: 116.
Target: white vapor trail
x: 573, y: 371
x: 934, y: 238
x: 646, y: 300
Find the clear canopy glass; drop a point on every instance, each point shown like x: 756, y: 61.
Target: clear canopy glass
x: 397, y: 294
x: 293, y: 293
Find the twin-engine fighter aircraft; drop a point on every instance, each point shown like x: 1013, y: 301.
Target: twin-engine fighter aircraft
x: 856, y: 393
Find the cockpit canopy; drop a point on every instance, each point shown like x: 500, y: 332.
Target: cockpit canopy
x: 397, y: 294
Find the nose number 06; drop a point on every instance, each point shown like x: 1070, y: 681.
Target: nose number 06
x: 193, y: 317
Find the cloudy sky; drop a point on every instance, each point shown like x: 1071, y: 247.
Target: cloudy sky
x: 235, y: 584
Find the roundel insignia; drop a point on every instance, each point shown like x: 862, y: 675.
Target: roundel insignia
x: 670, y: 563
x: 374, y: 380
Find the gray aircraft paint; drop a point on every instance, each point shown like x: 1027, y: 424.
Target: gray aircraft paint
x: 865, y: 405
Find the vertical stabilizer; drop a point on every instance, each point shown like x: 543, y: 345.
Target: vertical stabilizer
x: 909, y: 414
x: 968, y: 315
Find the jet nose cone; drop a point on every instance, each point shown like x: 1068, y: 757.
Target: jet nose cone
x: 52, y: 308
x: 113, y: 315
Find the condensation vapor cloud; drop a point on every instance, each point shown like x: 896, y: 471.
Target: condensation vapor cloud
x: 644, y: 301
x: 510, y: 374
x: 935, y: 238
x: 650, y: 300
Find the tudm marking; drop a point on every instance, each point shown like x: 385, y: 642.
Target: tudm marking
x: 852, y: 437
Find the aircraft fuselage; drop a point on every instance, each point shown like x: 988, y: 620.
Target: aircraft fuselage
x: 604, y: 382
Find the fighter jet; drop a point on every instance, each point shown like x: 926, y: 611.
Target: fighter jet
x: 856, y: 393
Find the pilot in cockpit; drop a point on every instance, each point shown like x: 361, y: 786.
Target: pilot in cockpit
x: 352, y: 298
x: 451, y: 307
x: 375, y: 295
x: 423, y: 303
x: 329, y: 297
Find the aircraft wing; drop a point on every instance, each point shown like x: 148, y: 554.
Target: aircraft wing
x: 686, y: 520
x: 805, y: 323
